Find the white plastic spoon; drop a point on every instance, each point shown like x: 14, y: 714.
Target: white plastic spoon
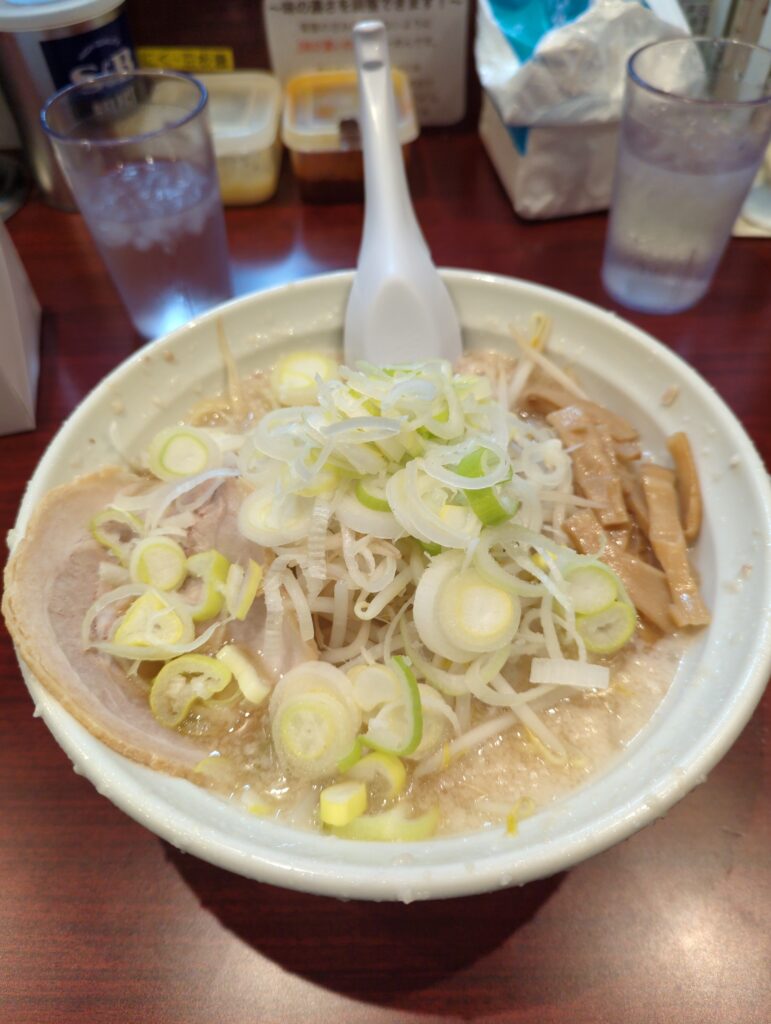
x: 399, y: 310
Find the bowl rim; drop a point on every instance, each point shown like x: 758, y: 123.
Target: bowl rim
x: 122, y: 780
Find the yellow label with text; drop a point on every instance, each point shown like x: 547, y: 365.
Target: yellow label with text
x: 186, y: 58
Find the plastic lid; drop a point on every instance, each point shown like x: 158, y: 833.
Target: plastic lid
x: 25, y: 16
x: 320, y: 106
x: 244, y: 110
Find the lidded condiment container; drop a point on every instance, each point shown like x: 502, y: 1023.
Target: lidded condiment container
x: 244, y: 113
x: 321, y: 131
x: 46, y: 45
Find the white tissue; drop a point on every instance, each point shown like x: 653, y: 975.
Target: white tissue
x: 568, y: 96
x: 19, y: 342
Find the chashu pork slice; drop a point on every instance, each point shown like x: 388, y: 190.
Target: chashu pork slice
x: 51, y: 580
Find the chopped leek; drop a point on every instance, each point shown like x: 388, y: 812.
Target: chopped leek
x: 272, y: 523
x: 211, y: 567
x: 151, y: 621
x: 353, y: 756
x: 392, y: 826
x: 250, y: 682
x: 341, y: 803
x: 438, y: 719
x: 241, y: 588
x: 180, y: 452
x: 159, y: 562
x: 373, y: 685
x: 225, y: 698
x: 216, y: 767
x: 385, y: 770
x: 431, y: 549
x: 592, y: 588
x: 479, y: 616
x: 110, y: 527
x: 318, y: 677
x: 459, y: 614
x: 314, y: 719
x: 312, y: 733
x: 398, y: 727
x: 295, y: 376
x: 325, y: 482
x: 182, y: 682
x: 607, y: 631
x: 491, y: 505
x: 371, y: 493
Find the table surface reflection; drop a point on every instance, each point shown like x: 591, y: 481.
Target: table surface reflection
x: 100, y: 921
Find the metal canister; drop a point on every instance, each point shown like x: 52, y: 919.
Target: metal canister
x: 45, y: 46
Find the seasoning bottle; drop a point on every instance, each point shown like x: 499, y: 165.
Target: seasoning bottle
x: 45, y: 46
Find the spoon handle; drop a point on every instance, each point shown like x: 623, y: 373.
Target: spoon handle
x: 389, y: 218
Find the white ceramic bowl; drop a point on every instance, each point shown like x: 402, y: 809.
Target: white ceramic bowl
x: 714, y: 693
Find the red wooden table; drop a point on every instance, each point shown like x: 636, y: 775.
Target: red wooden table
x: 100, y: 921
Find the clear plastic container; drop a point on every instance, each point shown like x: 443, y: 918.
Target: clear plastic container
x: 244, y: 114
x: 321, y: 131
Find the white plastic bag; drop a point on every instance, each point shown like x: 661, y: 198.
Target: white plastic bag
x: 549, y: 118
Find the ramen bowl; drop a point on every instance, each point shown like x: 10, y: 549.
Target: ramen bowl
x: 719, y: 680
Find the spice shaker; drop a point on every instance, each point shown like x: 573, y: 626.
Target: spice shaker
x: 44, y: 46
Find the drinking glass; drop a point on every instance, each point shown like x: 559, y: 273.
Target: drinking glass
x: 136, y: 150
x: 695, y: 125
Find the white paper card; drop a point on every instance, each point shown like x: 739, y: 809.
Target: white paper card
x: 426, y: 39
x: 19, y: 342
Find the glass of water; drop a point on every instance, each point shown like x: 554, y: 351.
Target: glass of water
x: 695, y: 125
x: 136, y: 150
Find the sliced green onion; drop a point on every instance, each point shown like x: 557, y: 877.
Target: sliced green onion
x: 314, y: 719
x: 371, y: 493
x: 479, y: 616
x: 398, y: 727
x: 373, y: 685
x: 459, y: 614
x: 152, y: 621
x: 607, y: 631
x: 431, y: 549
x: 217, y: 768
x: 491, y: 505
x: 312, y: 733
x: 473, y: 464
x: 318, y: 677
x: 182, y: 682
x: 592, y: 588
x: 226, y: 697
x: 392, y: 826
x: 383, y: 769
x: 353, y: 757
x: 295, y: 376
x: 159, y: 562
x: 211, y: 567
x: 250, y: 682
x: 107, y: 527
x: 325, y: 482
x: 343, y: 802
x: 181, y: 451
x: 241, y: 588
x: 270, y: 523
x: 438, y: 719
